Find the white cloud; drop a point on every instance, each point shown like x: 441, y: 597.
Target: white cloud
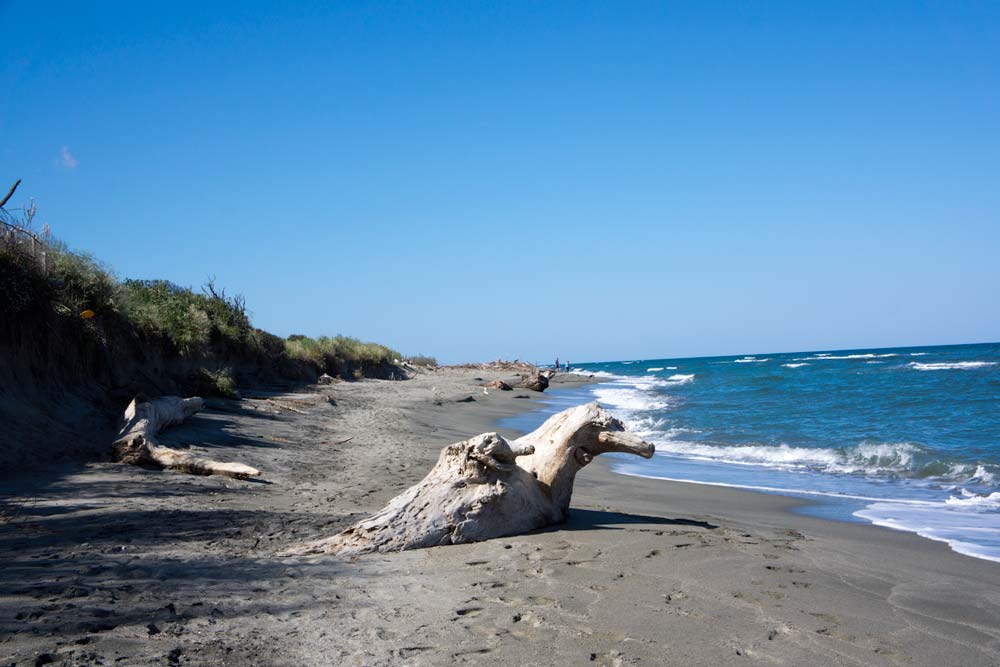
x: 66, y: 158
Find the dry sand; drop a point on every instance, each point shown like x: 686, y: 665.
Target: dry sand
x: 105, y: 564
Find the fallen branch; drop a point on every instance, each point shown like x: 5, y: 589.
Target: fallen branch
x: 143, y: 420
x: 10, y: 193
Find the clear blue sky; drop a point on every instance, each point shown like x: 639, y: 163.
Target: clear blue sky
x: 472, y: 180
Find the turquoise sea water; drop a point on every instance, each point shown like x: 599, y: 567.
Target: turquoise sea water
x: 907, y: 438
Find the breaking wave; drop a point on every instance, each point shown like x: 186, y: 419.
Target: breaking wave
x: 824, y: 357
x: 901, y: 459
x: 954, y: 365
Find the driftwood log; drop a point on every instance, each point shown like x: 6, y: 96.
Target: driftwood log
x: 487, y: 487
x: 144, y: 419
x: 537, y: 381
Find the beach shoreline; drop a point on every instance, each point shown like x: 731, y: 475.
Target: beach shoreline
x: 109, y: 563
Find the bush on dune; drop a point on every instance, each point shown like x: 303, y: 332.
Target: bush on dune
x: 341, y: 355
x: 48, y: 290
x: 194, y: 324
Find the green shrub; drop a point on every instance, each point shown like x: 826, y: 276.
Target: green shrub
x: 82, y: 283
x: 193, y: 323
x: 163, y: 310
x: 422, y: 360
x: 340, y: 355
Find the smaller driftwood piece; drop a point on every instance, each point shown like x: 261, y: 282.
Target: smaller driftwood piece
x: 144, y: 419
x: 487, y: 487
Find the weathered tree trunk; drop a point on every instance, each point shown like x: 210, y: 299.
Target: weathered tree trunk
x: 143, y: 420
x: 537, y: 381
x: 486, y: 487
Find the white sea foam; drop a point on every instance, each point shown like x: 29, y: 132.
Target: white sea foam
x: 749, y: 360
x: 629, y: 398
x: 954, y: 365
x: 655, y: 369
x: 680, y: 378
x: 967, y: 525
x: 871, y: 459
x: 794, y: 365
x: 831, y: 357
x: 982, y: 476
x: 919, y: 354
x: 975, y: 500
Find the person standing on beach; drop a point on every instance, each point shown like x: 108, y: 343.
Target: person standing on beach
x: 557, y: 364
x: 567, y: 367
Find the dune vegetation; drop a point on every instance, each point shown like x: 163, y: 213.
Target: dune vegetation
x: 60, y: 307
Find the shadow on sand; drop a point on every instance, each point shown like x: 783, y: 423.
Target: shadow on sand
x: 584, y: 519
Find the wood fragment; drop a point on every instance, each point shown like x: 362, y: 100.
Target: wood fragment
x: 10, y: 193
x: 285, y: 406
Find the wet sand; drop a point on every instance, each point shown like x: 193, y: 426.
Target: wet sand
x: 109, y: 564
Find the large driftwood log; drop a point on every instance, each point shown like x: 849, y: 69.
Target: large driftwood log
x: 537, y: 381
x: 143, y: 420
x: 487, y: 487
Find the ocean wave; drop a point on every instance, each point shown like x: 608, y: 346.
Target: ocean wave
x: 831, y: 357
x: 749, y: 360
x: 794, y: 365
x: 976, y: 501
x: 954, y: 365
x: 680, y: 378
x: 597, y: 374
x: 655, y: 369
x: 894, y: 459
x: 982, y: 476
x: 630, y: 398
x: 919, y: 354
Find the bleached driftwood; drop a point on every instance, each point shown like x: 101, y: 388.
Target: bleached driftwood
x: 487, y: 487
x: 143, y: 420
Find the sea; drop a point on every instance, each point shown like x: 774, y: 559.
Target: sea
x: 906, y: 438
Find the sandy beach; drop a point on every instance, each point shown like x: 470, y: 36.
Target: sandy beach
x: 106, y: 564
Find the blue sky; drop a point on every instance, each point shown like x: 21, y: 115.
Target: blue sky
x: 473, y: 180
